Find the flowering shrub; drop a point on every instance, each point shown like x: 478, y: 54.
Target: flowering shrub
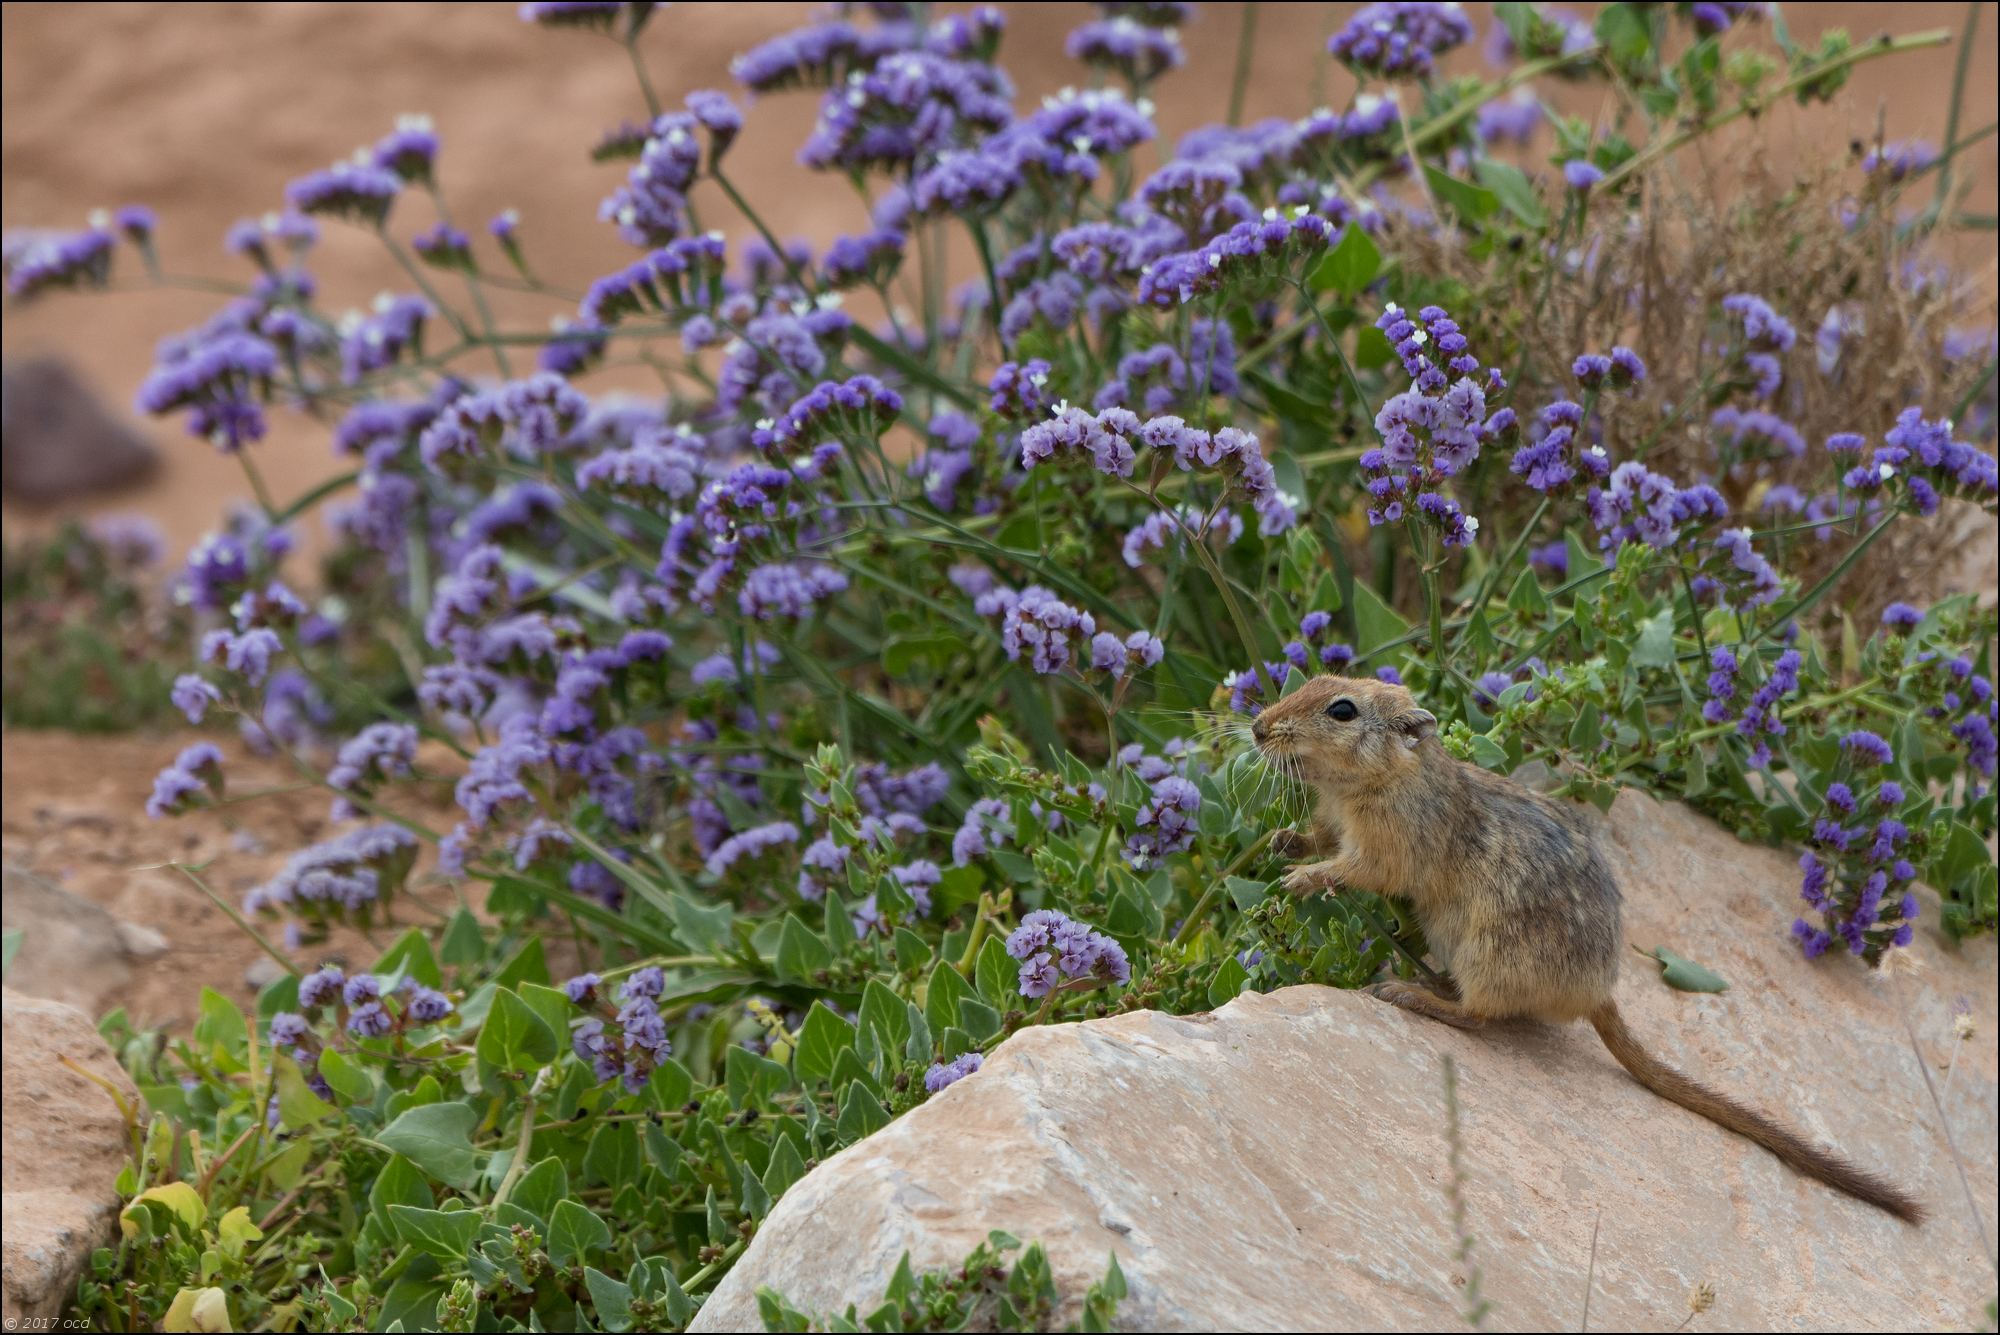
x: 850, y: 703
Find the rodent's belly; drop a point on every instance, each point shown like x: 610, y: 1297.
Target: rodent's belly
x: 1509, y: 965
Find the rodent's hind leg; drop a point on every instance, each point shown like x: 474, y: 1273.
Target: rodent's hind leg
x: 1423, y: 1001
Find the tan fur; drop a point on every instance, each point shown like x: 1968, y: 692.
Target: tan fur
x: 1514, y: 898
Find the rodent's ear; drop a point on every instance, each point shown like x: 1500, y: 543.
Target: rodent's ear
x: 1415, y: 724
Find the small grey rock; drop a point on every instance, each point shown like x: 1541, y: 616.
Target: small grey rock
x: 58, y: 441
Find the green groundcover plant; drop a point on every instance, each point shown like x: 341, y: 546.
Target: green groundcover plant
x: 872, y: 690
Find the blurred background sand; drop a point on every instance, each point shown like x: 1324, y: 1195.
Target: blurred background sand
x: 204, y: 111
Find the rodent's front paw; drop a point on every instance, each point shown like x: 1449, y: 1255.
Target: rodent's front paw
x: 1289, y: 843
x: 1307, y: 877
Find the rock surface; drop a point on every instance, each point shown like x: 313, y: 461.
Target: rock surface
x: 57, y: 441
x: 1280, y: 1164
x: 72, y: 950
x: 64, y: 1143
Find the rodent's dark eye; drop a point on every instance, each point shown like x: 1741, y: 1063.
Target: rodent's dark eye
x: 1342, y: 711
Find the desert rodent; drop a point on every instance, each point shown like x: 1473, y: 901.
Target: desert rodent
x: 1512, y: 894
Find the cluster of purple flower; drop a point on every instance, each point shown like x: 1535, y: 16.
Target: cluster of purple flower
x: 951, y: 1072
x: 1043, y: 629
x: 1140, y: 51
x: 1431, y: 431
x: 1921, y: 457
x: 347, y: 876
x: 219, y: 379
x: 1056, y: 950
x: 1400, y: 39
x: 1254, y: 250
x: 358, y: 191
x: 1638, y: 505
x: 1858, y: 876
x: 378, y: 753
x: 626, y: 1042
x: 1760, y: 718
x: 196, y: 770
x: 1555, y: 456
x: 988, y: 824
x: 37, y: 262
x: 1165, y: 824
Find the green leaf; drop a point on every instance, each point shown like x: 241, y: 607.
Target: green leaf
x: 941, y: 997
x: 298, y: 1106
x: 882, y: 1012
x: 1515, y: 192
x: 1487, y: 753
x: 352, y: 1082
x: 445, y: 1234
x: 1350, y: 266
x: 529, y: 965
x: 1229, y: 980
x: 1624, y: 34
x: 221, y: 1030
x: 1684, y: 974
x: 1655, y: 646
x: 1376, y: 624
x: 801, y: 952
x: 574, y: 1231
x: 1582, y: 560
x: 1470, y: 202
x: 10, y: 946
x: 1527, y: 600
x: 464, y: 945
x: 1586, y: 735
x: 611, y: 1298
x: 860, y: 1113
x: 436, y: 1137
x: 612, y: 1157
x: 786, y: 1167
x: 399, y: 1183
x: 410, y: 954
x: 977, y: 1018
x: 997, y: 974
x: 900, y: 653
x: 705, y: 928
x: 514, y: 1038
x: 1372, y: 349
x: 552, y: 1004
x: 671, y: 1085
x: 751, y: 1080
x: 540, y: 1188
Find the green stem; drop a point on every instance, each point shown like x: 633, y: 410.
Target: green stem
x: 263, y: 943
x: 631, y: 45
x: 757, y: 221
x: 1246, y: 41
x: 1958, y: 73
x: 1201, y: 905
x: 1832, y: 577
x: 1881, y: 46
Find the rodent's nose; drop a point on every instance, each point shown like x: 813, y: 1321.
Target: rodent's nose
x: 1258, y: 730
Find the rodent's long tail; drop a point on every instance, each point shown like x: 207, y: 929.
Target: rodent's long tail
x: 1782, y: 1141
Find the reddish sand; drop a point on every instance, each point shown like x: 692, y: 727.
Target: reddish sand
x: 205, y: 110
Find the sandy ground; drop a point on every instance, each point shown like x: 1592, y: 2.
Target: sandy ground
x: 72, y: 812
x: 204, y: 111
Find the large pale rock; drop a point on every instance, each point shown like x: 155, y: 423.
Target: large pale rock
x: 64, y: 1143
x: 1281, y: 1163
